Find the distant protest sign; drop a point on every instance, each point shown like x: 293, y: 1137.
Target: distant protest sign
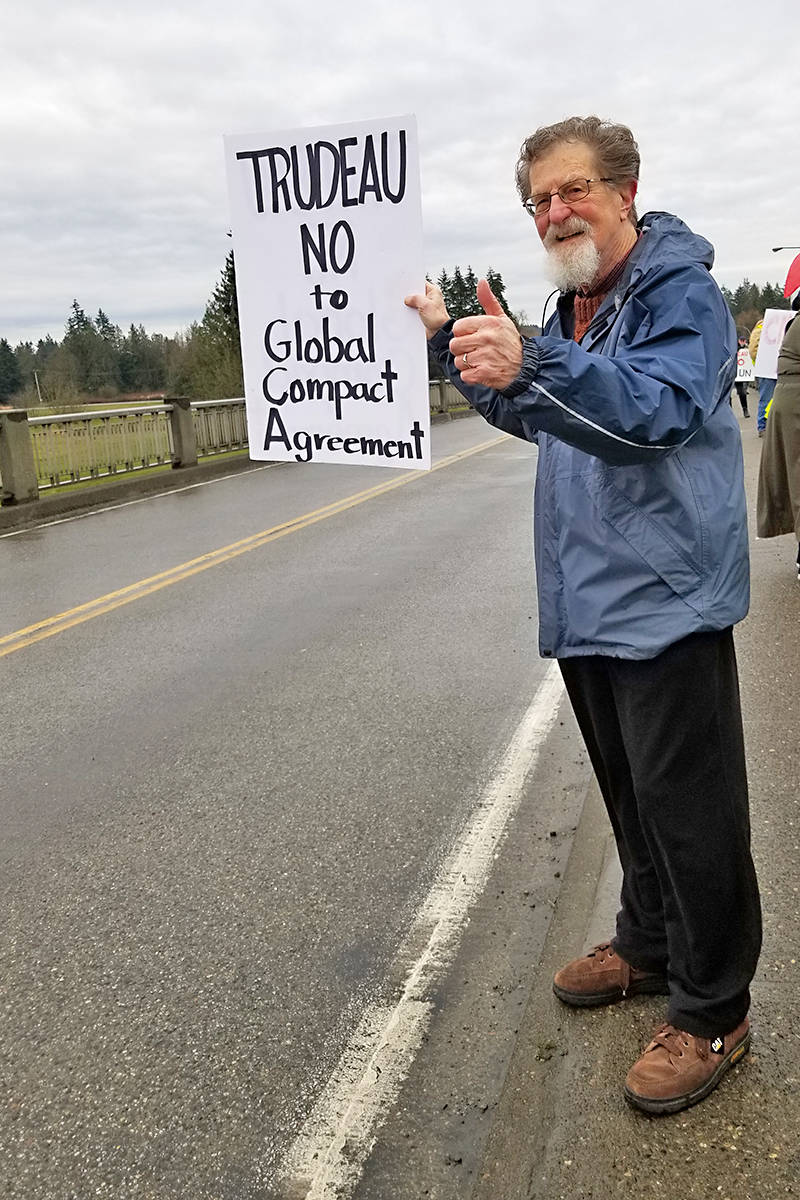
x: 744, y: 366
x: 775, y: 322
x: 327, y: 231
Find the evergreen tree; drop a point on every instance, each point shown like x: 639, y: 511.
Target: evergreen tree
x: 221, y: 318
x: 460, y: 297
x: 10, y: 377
x: 746, y: 296
x: 213, y: 366
x: 106, y: 369
x: 495, y: 282
x: 460, y: 291
x: 445, y: 286
x: 45, y: 349
x: 471, y: 291
x: 131, y: 360
x: 86, y: 349
x: 77, y: 321
x: 61, y: 380
x: 772, y: 296
x: 26, y: 361
x: 110, y: 333
x: 459, y: 301
x: 142, y: 361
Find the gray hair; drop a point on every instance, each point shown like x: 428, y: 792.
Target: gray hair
x: 614, y: 147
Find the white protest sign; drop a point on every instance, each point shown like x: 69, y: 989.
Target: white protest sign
x: 744, y: 366
x: 327, y: 229
x: 775, y: 322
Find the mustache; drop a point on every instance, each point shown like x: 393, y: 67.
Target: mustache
x: 571, y: 225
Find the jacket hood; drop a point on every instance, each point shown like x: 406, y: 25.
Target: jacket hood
x: 666, y: 244
x: 666, y: 240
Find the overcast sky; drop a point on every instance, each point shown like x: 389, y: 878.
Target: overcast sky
x: 112, y: 118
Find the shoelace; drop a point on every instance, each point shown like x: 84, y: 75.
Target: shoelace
x: 603, y: 949
x: 677, y: 1042
x: 603, y: 953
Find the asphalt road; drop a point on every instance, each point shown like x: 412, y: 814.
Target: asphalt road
x: 224, y: 799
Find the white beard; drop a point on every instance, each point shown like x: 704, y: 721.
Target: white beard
x: 571, y: 264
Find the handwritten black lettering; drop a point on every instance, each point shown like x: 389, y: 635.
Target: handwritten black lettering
x: 270, y: 436
x: 333, y: 391
x: 350, y: 246
x: 265, y: 387
x: 389, y: 376
x: 347, y: 170
x: 326, y: 347
x: 397, y: 196
x: 317, y: 247
x: 338, y: 299
x: 321, y: 253
x: 314, y: 153
x: 304, y: 443
x: 356, y: 171
x: 369, y: 173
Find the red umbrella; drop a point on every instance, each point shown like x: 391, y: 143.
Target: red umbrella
x: 793, y: 278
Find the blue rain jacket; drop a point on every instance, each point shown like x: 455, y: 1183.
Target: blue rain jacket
x: 640, y: 534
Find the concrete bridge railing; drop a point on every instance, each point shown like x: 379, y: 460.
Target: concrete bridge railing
x: 41, y: 454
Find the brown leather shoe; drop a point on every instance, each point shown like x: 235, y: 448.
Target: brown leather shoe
x: 602, y: 977
x: 678, y: 1069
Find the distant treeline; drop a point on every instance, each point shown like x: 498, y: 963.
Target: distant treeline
x: 96, y: 359
x: 749, y: 302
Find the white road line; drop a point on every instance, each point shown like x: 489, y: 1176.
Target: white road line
x: 327, y: 1158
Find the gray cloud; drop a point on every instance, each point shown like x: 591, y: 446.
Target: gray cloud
x: 111, y: 125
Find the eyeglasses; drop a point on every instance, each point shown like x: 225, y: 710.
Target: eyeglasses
x: 570, y: 193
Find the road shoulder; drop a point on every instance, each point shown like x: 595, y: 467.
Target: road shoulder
x: 434, y: 1138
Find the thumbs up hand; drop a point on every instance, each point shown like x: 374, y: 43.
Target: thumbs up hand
x: 488, y: 301
x: 488, y: 349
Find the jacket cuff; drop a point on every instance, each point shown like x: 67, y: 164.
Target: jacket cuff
x: 439, y: 344
x: 530, y: 365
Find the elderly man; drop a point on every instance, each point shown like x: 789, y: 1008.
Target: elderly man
x: 642, y: 569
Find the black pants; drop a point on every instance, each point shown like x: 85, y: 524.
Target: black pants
x: 665, y: 739
x: 741, y: 392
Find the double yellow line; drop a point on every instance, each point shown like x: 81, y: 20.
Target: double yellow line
x: 154, y: 583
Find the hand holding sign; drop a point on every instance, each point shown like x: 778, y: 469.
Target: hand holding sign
x: 431, y: 308
x: 491, y: 345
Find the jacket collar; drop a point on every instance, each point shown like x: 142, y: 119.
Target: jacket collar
x: 663, y: 238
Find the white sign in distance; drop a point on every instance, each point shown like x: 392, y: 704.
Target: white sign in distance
x: 775, y: 322
x: 744, y: 366
x: 327, y: 240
